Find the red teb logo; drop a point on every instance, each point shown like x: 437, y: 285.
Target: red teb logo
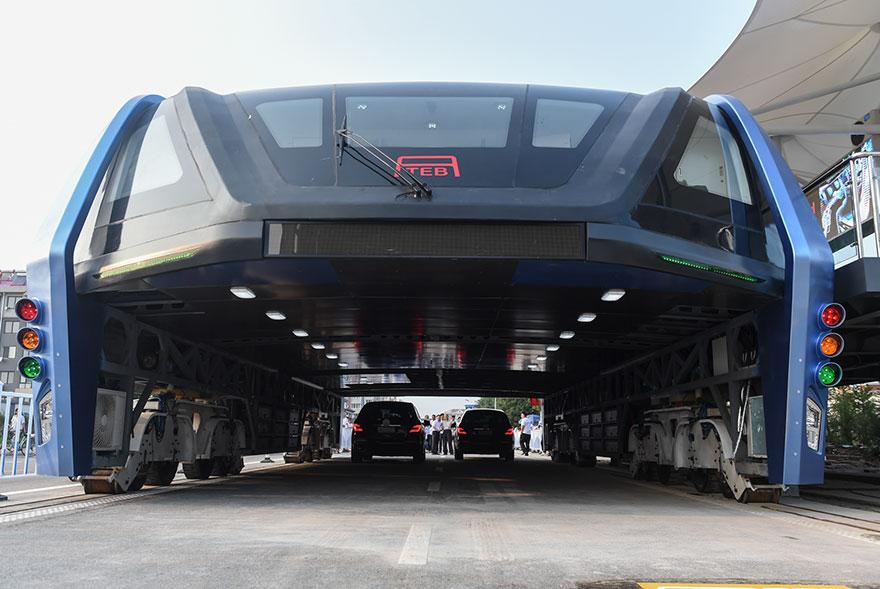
x: 428, y: 165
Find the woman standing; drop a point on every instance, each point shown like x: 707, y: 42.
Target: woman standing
x: 537, y: 437
x: 345, y: 439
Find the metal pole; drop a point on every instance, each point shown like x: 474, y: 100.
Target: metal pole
x: 856, y: 219
x: 875, y: 214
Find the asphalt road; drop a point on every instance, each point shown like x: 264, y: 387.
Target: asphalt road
x: 444, y: 524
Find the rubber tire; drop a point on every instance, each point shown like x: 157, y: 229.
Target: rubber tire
x: 554, y: 456
x: 198, y: 469
x: 664, y: 472
x: 507, y: 456
x: 701, y: 479
x: 236, y: 465
x: 307, y: 455
x: 220, y: 466
x: 356, y: 457
x: 162, y: 473
x: 459, y: 455
x: 419, y: 457
x: 136, y: 484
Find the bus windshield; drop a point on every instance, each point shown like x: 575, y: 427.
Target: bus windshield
x: 430, y: 121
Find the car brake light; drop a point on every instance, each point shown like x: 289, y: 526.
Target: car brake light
x: 417, y: 428
x: 461, y: 431
x: 357, y: 428
x: 509, y: 432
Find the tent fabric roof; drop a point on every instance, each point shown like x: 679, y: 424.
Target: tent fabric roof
x: 791, y: 48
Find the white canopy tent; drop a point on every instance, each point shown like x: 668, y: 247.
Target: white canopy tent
x: 809, y: 70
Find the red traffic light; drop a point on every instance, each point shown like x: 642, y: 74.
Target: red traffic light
x: 832, y: 315
x: 27, y: 310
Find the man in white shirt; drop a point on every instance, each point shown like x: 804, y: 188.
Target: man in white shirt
x: 525, y: 434
x: 446, y: 435
x: 436, y: 428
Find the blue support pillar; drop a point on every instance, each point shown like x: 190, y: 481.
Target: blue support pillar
x: 71, y: 323
x: 789, y: 330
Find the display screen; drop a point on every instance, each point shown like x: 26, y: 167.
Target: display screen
x: 833, y: 201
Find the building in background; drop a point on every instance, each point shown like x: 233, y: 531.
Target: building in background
x: 353, y: 405
x: 12, y: 288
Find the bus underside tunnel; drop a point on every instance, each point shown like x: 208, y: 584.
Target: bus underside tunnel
x: 230, y: 268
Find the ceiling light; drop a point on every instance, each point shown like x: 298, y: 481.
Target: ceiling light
x: 343, y: 364
x: 552, y: 347
x: 276, y: 315
x: 614, y: 294
x: 533, y: 366
x: 300, y: 333
x: 566, y: 335
x: 586, y: 317
x: 318, y: 345
x: 541, y: 358
x: 332, y: 355
x: 242, y: 292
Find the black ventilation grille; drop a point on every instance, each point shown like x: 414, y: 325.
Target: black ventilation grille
x: 430, y: 240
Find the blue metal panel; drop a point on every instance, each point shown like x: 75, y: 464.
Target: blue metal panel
x: 72, y: 325
x: 789, y: 330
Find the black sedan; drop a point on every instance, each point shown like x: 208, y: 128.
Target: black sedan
x: 387, y: 428
x: 484, y: 431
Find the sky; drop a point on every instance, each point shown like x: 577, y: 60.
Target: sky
x: 67, y: 67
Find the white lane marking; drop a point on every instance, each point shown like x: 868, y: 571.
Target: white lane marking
x: 415, y: 549
x: 41, y: 489
x: 434, y: 487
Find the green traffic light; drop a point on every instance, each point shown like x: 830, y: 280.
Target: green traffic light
x: 829, y: 374
x: 30, y: 367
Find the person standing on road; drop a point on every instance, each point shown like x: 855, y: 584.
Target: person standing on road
x: 436, y: 428
x: 446, y: 435
x: 426, y: 429
x: 345, y: 439
x: 537, y: 435
x: 525, y: 434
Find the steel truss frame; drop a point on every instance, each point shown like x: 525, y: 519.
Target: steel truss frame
x: 139, y: 359
x: 680, y: 368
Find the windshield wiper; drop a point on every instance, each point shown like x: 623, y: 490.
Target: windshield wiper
x: 398, y: 173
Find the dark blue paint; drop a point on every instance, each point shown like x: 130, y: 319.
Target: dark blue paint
x: 72, y: 324
x: 788, y: 329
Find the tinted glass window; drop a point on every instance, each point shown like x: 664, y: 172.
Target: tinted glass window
x: 563, y: 123
x: 703, y: 193
x: 711, y: 162
x: 148, y: 161
x: 294, y: 123
x: 485, y: 419
x: 425, y: 122
x: 387, y: 414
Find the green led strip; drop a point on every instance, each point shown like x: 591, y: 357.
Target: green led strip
x: 147, y: 263
x: 708, y: 268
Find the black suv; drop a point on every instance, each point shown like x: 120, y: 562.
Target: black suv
x: 484, y: 431
x: 387, y: 428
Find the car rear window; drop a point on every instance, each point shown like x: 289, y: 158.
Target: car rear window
x: 485, y: 419
x: 396, y: 414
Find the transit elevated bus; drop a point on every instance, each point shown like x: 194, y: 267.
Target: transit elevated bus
x: 646, y: 264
